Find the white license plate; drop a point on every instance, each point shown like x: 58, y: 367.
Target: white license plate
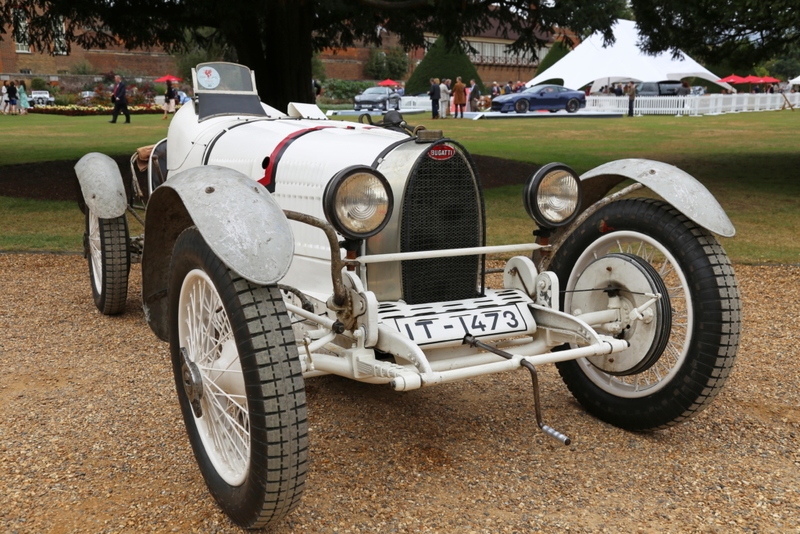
x: 486, y: 322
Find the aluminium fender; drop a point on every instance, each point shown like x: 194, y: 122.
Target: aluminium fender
x: 238, y: 218
x: 675, y: 186
x: 101, y: 185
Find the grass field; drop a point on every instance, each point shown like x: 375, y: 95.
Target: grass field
x: 749, y: 161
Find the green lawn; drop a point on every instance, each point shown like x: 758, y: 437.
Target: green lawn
x: 749, y: 161
x: 32, y: 137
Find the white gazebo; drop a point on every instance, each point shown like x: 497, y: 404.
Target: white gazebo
x: 622, y: 61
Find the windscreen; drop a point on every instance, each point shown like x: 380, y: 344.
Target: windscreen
x: 219, y: 77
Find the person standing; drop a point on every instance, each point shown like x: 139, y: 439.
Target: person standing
x: 459, y: 96
x: 11, y: 92
x: 630, y: 92
x: 496, y: 90
x: 435, y: 94
x: 23, y: 98
x: 169, y: 100
x: 474, y: 95
x: 120, y: 100
x: 444, y: 100
x: 5, y: 97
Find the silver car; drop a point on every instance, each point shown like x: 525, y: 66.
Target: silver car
x: 377, y: 98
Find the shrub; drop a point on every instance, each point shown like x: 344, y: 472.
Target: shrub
x: 318, y: 68
x: 39, y: 84
x: 83, y: 67
x: 390, y: 63
x: 336, y: 89
x: 396, y: 63
x: 375, y: 67
x: 443, y: 61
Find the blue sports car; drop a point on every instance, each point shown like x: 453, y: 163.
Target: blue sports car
x: 549, y: 97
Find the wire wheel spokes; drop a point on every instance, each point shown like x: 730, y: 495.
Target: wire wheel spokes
x: 206, y: 333
x: 95, y: 250
x: 665, y: 264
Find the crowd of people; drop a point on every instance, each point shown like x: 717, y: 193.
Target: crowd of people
x: 15, y: 98
x: 454, y: 98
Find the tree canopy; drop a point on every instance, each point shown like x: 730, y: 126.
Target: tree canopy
x: 277, y: 38
x: 740, y: 31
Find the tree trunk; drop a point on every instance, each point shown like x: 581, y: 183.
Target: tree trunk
x: 275, y: 42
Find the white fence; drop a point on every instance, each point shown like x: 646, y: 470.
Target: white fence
x: 692, y: 105
x: 415, y: 102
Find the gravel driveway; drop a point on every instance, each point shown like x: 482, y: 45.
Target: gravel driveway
x: 91, y: 438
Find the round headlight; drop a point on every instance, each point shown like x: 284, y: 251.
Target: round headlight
x: 358, y: 202
x: 552, y: 195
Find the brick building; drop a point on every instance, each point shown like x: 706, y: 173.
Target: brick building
x: 21, y: 61
x: 493, y: 59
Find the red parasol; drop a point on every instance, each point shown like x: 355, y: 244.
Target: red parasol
x: 751, y: 79
x: 388, y: 83
x: 766, y: 79
x: 731, y: 79
x: 168, y: 78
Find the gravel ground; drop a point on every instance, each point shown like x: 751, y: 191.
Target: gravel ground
x: 91, y: 438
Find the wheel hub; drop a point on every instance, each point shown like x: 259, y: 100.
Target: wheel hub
x: 192, y: 383
x: 622, y: 281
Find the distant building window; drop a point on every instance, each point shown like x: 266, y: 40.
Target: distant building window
x: 65, y: 72
x: 498, y: 54
x: 21, y: 31
x: 25, y: 71
x: 59, y: 38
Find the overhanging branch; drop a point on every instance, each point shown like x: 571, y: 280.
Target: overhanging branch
x: 396, y: 4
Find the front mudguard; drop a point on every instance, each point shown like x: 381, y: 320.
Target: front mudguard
x: 101, y: 186
x: 672, y: 184
x: 238, y: 218
x: 675, y: 186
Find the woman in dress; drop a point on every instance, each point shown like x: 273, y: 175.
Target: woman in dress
x: 23, y: 98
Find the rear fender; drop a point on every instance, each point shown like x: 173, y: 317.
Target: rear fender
x: 672, y: 184
x: 238, y: 218
x: 101, y: 185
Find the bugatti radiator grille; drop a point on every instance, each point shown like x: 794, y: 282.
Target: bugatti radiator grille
x: 443, y: 208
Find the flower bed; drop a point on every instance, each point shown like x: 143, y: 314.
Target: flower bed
x: 79, y: 111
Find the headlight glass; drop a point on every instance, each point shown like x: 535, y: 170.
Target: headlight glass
x: 558, y: 196
x: 552, y: 195
x: 358, y: 202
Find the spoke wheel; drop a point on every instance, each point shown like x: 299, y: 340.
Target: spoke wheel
x: 239, y: 384
x: 106, y: 248
x: 704, y: 301
x: 521, y: 106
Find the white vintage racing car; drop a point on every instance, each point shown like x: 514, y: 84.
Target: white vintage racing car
x: 280, y: 247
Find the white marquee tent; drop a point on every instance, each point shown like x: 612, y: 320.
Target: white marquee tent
x: 795, y: 81
x: 623, y: 61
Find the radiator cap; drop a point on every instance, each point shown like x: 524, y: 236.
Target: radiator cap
x: 428, y: 136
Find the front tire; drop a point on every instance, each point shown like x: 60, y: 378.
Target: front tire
x: 239, y: 383
x: 522, y: 106
x: 107, y: 249
x: 704, y: 298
